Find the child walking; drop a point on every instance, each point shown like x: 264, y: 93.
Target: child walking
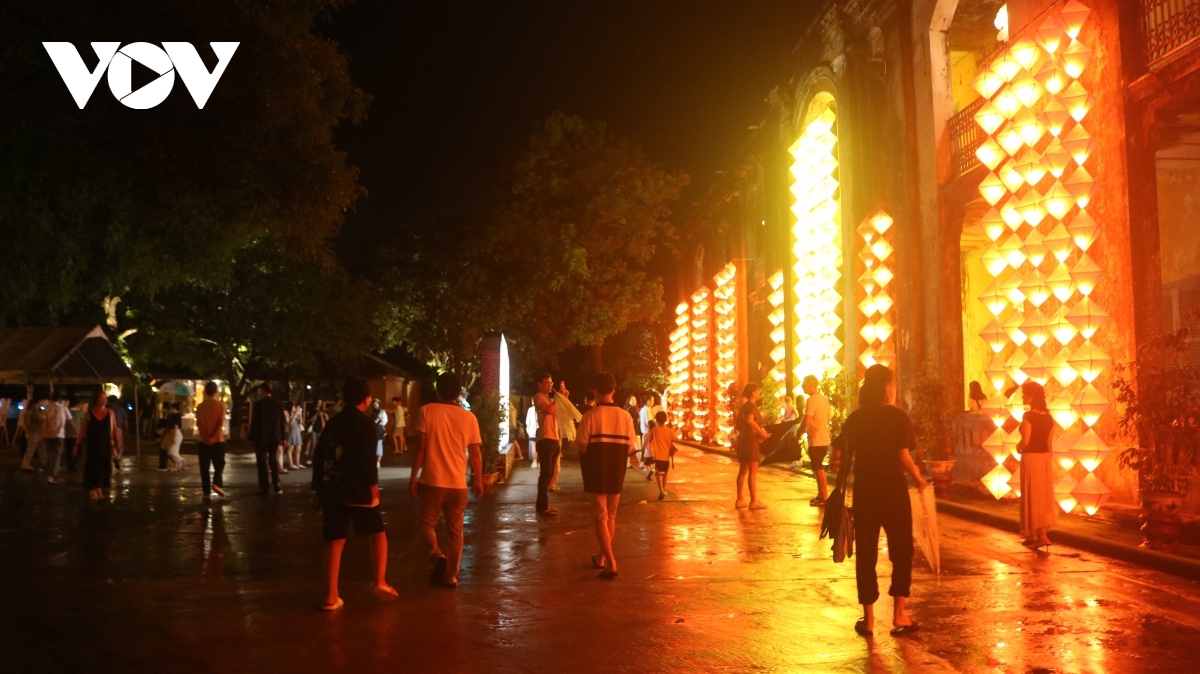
x: 660, y: 443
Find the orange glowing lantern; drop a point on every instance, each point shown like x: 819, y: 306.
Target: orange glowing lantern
x: 1091, y: 493
x: 1077, y: 101
x: 1080, y: 185
x: 994, y: 335
x: 1015, y: 481
x: 1090, y: 405
x: 1050, y: 34
x: 1025, y: 52
x: 1089, y: 361
x: 1055, y: 117
x: 1064, y: 331
x: 1009, y: 138
x: 1056, y: 158
x: 1060, y: 283
x: 1086, y: 273
x: 1058, y: 201
x: 992, y: 189
x: 1012, y: 178
x: 1089, y: 450
x: 1083, y: 230
x: 1036, y: 327
x: 1010, y: 215
x: 996, y: 372
x: 1006, y: 67
x: 1065, y: 375
x: 1062, y: 450
x: 990, y: 154
x: 1014, y: 254
x: 1079, y: 143
x: 993, y: 260
x: 1007, y: 103
x: 987, y: 83
x: 1075, y: 58
x: 1087, y: 317
x: 883, y: 301
x: 1035, y: 367
x: 1027, y: 90
x: 1012, y: 289
x: 1015, y: 364
x: 1030, y: 166
x: 1031, y: 209
x: 994, y: 446
x: 1035, y: 248
x: 1064, y: 415
x: 1062, y: 493
x: 996, y: 408
x: 989, y: 118
x: 1035, y: 289
x: 1073, y: 15
x: 996, y: 481
x: 994, y: 299
x: 993, y: 225
x: 1059, y: 241
x: 1052, y: 78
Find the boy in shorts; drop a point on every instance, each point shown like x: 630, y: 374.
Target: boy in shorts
x: 660, y: 447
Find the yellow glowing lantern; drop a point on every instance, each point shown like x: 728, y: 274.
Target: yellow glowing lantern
x: 1062, y: 493
x: 994, y: 298
x: 995, y: 336
x: 994, y: 446
x: 1056, y: 158
x: 1065, y: 375
x: 881, y: 249
x: 989, y: 118
x: 1011, y: 177
x: 1089, y: 361
x: 1075, y: 58
x: 1036, y: 328
x: 1035, y: 248
x: 1030, y: 166
x: 1058, y: 201
x: 1064, y: 415
x: 1091, y: 493
x: 1079, y: 143
x: 866, y: 281
x: 1010, y: 139
x: 987, y: 83
x: 883, y: 329
x: 1064, y: 331
x: 1035, y: 289
x: 1031, y: 209
x: 993, y: 260
x: 1014, y: 253
x: 997, y: 372
x: 1090, y: 405
x: 1083, y: 230
x: 1086, y: 273
x: 881, y: 222
x: 990, y: 154
x: 996, y: 481
x: 1087, y: 317
x: 1080, y: 185
x: 1015, y: 481
x: 1060, y: 283
x: 1035, y: 367
x: 1015, y: 372
x: 1025, y: 52
x: 1061, y: 450
x: 1089, y: 450
x: 1052, y: 78
x: 883, y: 276
x: 1060, y: 242
x: 1012, y: 289
x: 1027, y: 90
x: 886, y: 355
x: 883, y: 301
x: 996, y: 408
x: 1077, y: 101
x: 1006, y: 67
x: 1055, y: 117
x: 1073, y: 15
x: 1051, y: 33
x: 993, y: 225
x: 868, y: 306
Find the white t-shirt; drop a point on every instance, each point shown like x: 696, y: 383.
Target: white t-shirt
x: 449, y: 430
x: 54, y: 421
x: 606, y: 423
x: 817, y: 414
x: 547, y: 423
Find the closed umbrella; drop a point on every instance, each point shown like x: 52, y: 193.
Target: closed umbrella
x: 925, y: 527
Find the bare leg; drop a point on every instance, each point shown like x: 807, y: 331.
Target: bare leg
x: 743, y: 469
x: 822, y: 484
x: 753, y: 482
x: 333, y: 566
x: 901, y: 616
x: 379, y: 550
x: 662, y: 483
x: 604, y: 531
x: 869, y: 616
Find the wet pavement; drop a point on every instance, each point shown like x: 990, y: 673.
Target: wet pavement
x: 154, y: 581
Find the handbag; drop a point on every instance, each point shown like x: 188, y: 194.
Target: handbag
x: 838, y: 522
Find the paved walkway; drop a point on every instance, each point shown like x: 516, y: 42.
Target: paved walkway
x: 152, y: 581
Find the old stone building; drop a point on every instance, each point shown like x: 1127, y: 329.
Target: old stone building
x: 1002, y: 191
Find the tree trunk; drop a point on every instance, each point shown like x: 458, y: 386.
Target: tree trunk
x: 239, y: 393
x: 597, y: 358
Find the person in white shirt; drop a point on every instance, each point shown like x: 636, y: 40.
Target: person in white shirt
x: 816, y: 425
x: 568, y: 417
x: 33, y: 434
x: 548, y: 443
x: 56, y: 419
x: 647, y: 420
x: 449, y: 439
x: 606, y: 438
x: 531, y: 428
x: 398, y: 426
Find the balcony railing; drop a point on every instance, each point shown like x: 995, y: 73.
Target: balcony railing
x: 1170, y: 26
x: 965, y: 137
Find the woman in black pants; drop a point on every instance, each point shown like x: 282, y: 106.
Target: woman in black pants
x: 879, y: 437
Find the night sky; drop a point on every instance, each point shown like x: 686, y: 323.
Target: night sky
x: 459, y: 84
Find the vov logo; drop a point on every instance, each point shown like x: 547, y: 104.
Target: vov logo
x: 172, y: 57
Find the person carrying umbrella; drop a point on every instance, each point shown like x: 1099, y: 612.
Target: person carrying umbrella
x: 879, y: 439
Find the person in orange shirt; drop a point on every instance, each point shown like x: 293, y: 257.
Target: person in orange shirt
x: 210, y: 425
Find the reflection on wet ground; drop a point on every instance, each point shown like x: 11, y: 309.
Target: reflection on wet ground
x: 153, y: 581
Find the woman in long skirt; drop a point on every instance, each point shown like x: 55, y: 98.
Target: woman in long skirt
x: 606, y: 440
x: 99, y: 433
x: 1039, y: 512
x: 879, y: 441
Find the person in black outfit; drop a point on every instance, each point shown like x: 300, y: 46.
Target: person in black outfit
x: 268, y: 428
x: 346, y: 479
x: 879, y: 439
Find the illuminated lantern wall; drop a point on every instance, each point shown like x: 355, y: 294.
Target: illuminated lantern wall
x: 680, y: 365
x: 1039, y: 189
x: 701, y: 384
x: 725, y: 310
x: 878, y: 322
x: 778, y: 331
x: 817, y: 247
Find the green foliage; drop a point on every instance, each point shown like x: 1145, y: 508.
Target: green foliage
x: 838, y: 390
x: 490, y: 411
x: 933, y: 402
x: 637, y: 359
x: 112, y: 202
x: 1160, y: 399
x: 771, y: 404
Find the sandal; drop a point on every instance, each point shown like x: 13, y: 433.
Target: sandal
x: 334, y: 606
x: 817, y: 502
x: 596, y: 562
x: 860, y: 628
x: 385, y: 593
x: 905, y: 629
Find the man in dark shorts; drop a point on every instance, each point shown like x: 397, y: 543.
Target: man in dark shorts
x: 346, y: 479
x: 816, y: 424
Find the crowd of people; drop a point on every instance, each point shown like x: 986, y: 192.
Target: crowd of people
x: 347, y: 440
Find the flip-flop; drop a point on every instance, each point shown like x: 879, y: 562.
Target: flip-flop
x: 596, y: 562
x: 860, y: 627
x: 388, y: 594
x: 334, y: 606
x: 905, y: 629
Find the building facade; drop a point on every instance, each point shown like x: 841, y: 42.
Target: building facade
x: 996, y: 191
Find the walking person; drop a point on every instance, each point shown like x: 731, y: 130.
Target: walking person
x: 99, y: 437
x: 380, y: 419
x: 121, y: 419
x: 606, y: 439
x: 173, y: 437
x: 646, y: 420
x: 634, y: 412
x: 346, y: 479
x: 56, y: 421
x: 750, y: 436
x: 568, y: 417
x: 267, y: 431
x: 449, y: 439
x: 210, y: 426
x: 399, y: 425
x: 295, y: 438
x: 660, y: 442
x: 316, y: 425
x: 548, y: 443
x: 1039, y: 511
x: 816, y: 425
x: 33, y: 435
x: 878, y: 439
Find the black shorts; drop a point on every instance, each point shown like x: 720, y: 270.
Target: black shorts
x: 816, y: 455
x: 662, y: 466
x: 338, y: 516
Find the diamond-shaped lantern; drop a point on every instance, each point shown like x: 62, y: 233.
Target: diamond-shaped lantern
x: 1062, y: 451
x: 1089, y: 361
x: 1091, y: 493
x: 994, y: 445
x: 996, y: 481
x: 1062, y: 493
x: 1062, y: 411
x: 1090, y: 404
x: 996, y: 407
x: 1089, y: 450
x: 1087, y: 317
x: 1014, y: 482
